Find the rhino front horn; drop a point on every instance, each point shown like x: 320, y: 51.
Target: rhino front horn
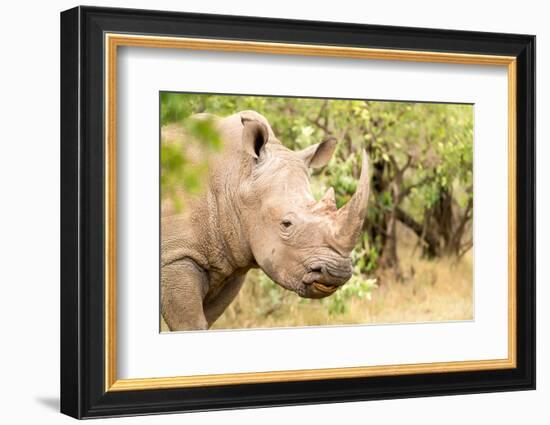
x: 350, y: 218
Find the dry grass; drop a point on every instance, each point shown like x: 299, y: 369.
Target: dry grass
x: 433, y: 290
x: 438, y: 291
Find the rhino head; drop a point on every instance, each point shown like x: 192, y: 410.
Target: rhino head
x: 302, y: 244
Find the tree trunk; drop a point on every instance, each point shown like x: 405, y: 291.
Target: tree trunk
x: 452, y: 223
x: 389, y: 258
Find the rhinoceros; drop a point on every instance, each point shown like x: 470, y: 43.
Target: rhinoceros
x: 257, y: 211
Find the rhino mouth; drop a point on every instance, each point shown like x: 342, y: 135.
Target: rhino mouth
x: 326, y: 289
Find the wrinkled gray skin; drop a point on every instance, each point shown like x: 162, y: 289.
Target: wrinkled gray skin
x: 258, y: 211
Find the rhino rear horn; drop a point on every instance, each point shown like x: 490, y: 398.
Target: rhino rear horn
x: 328, y: 200
x: 255, y: 136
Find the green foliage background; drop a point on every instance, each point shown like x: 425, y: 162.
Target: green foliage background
x: 421, y: 159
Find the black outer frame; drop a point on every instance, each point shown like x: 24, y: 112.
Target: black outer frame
x: 82, y: 212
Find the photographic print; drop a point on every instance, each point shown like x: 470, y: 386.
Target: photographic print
x: 290, y: 212
x: 337, y: 214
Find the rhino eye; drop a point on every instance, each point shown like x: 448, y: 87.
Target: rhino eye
x: 286, y: 223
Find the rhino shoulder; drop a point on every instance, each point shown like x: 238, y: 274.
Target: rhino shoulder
x: 181, y: 237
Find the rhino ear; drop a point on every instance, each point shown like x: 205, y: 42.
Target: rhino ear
x: 318, y: 155
x: 255, y: 136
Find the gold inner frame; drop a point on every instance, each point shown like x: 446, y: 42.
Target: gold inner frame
x: 113, y: 41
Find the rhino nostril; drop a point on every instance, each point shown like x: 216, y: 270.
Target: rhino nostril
x: 316, y: 269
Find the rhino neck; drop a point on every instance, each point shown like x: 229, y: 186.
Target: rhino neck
x: 229, y: 241
x: 229, y: 248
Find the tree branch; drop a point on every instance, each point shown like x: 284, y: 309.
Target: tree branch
x: 418, y: 229
x: 406, y: 191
